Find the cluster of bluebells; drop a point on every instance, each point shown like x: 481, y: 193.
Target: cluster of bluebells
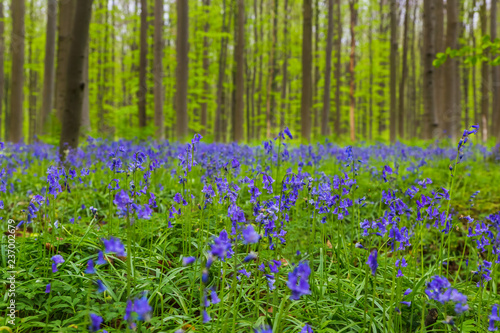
x: 440, y: 290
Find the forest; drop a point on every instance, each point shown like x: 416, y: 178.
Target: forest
x: 355, y: 70
x: 249, y: 166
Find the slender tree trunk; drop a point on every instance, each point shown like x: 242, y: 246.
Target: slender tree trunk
x: 328, y: 68
x: 404, y: 74
x: 337, y: 70
x: 430, y: 116
x: 17, y: 52
x: 485, y: 79
x: 66, y: 15
x: 393, y: 70
x: 285, y: 65
x: 143, y: 87
x: 182, y: 68
x: 473, y: 71
x: 495, y: 75
x: 206, y: 69
x: 370, y: 88
x: 85, y: 121
x: 75, y: 85
x: 411, y: 131
x: 316, y: 76
x: 158, y: 70
x: 32, y: 79
x: 452, y: 78
x: 220, y: 80
x: 306, y: 99
x: 48, y: 75
x: 239, y: 74
x: 439, y: 72
x: 383, y: 26
x: 2, y: 73
x: 352, y: 65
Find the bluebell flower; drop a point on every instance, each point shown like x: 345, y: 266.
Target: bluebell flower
x: 100, y: 286
x: 298, y: 281
x: 307, y: 329
x: 114, y: 245
x: 90, y: 267
x: 58, y: 259
x: 100, y: 258
x: 250, y: 236
x: 142, y: 308
x: 206, y: 317
x: 493, y: 318
x: 215, y: 298
x: 372, y: 262
x: 48, y: 288
x: 264, y: 329
x: 188, y: 260
x: 95, y: 324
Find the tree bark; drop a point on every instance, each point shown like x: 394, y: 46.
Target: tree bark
x: 285, y: 66
x: 393, y: 71
x: 404, y: 74
x: 439, y: 72
x: 218, y: 128
x: 352, y: 65
x: 66, y: 15
x: 430, y: 117
x: 485, y: 74
x: 143, y: 56
x: 2, y: 73
x: 452, y: 77
x: 239, y: 74
x: 305, y: 105
x: 206, y: 70
x: 17, y: 71
x: 158, y: 70
x: 328, y: 68
x: 48, y: 75
x: 337, y: 70
x: 182, y: 68
x: 495, y: 74
x: 75, y: 85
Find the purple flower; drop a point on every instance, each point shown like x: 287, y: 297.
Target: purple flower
x: 372, y: 262
x: 251, y: 256
x: 142, y: 308
x: 188, y: 260
x: 95, y: 324
x: 222, y: 247
x: 250, y: 235
x: 298, y: 281
x: 58, y: 259
x: 128, y: 310
x: 215, y: 298
x: 406, y: 303
x: 494, y: 317
x: 114, y: 245
x: 144, y: 212
x: 307, y: 329
x: 264, y: 329
x: 90, y: 267
x: 206, y: 317
x: 100, y: 286
x: 407, y: 291
x: 48, y: 288
x: 100, y: 259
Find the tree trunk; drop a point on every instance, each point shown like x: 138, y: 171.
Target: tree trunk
x: 158, y: 70
x: 2, y: 73
x: 305, y: 105
x: 337, y: 70
x: 285, y: 66
x: 383, y: 26
x: 32, y: 79
x: 404, y: 74
x: 182, y: 68
x: 239, y: 74
x: 439, y: 72
x: 316, y: 76
x: 393, y: 70
x: 495, y: 75
x: 430, y: 117
x: 48, y: 75
x: 206, y: 70
x: 218, y: 128
x: 17, y: 72
x: 485, y: 73
x: 452, y: 77
x: 85, y: 125
x: 328, y: 68
x: 75, y: 85
x: 352, y: 65
x: 143, y: 56
x: 66, y: 15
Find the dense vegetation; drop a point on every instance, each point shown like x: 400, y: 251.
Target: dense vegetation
x: 160, y: 237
